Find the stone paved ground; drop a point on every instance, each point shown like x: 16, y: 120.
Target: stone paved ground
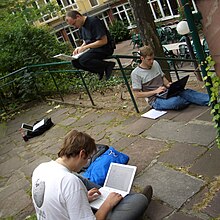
x: 176, y: 154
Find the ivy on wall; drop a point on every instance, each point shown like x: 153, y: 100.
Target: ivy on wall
x: 214, y: 93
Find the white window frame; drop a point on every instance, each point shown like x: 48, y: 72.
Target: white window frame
x: 125, y: 10
x: 72, y: 6
x: 162, y: 12
x: 92, y: 6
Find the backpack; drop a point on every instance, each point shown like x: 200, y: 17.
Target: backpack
x: 101, y: 148
x: 98, y: 169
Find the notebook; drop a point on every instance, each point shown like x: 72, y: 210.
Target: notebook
x: 118, y: 179
x: 69, y: 57
x: 175, y: 88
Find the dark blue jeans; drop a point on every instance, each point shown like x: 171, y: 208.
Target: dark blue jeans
x: 182, y: 100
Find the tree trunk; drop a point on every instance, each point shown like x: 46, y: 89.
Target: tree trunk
x: 147, y: 29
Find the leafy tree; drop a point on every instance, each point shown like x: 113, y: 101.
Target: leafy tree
x: 21, y: 42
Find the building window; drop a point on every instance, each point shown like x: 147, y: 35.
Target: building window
x: 60, y: 36
x: 93, y: 3
x: 67, y: 5
x: 105, y: 17
x: 73, y: 35
x: 166, y: 9
x: 123, y: 13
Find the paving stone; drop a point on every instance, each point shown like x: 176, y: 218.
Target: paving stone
x: 29, y: 168
x: 181, y: 154
x: 201, y: 134
x: 196, y: 199
x: 10, y: 207
x: 182, y: 216
x: 68, y: 121
x: 143, y: 151
x: 158, y: 211
x: 53, y: 149
x: 171, y: 114
x: 99, y: 128
x: 138, y: 126
x: 213, y: 208
x: 14, y: 184
x: 206, y: 116
x: 209, y: 164
x: 113, y: 137
x: 129, y: 120
x: 54, y: 133
x: 6, y: 148
x: 9, y: 166
x: 85, y: 120
x: 125, y: 142
x: 190, y: 113
x: 169, y: 185
x: 107, y: 117
x: 56, y: 114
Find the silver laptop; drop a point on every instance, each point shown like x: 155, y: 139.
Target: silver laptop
x: 119, y: 179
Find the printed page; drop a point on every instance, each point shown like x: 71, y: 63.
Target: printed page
x: 153, y: 114
x: 69, y: 57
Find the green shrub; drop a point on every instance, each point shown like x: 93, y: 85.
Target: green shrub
x: 119, y: 31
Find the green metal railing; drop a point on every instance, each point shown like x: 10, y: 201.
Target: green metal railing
x: 47, y: 68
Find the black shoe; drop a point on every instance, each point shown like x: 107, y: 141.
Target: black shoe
x: 101, y: 76
x: 148, y: 192
x: 108, y: 70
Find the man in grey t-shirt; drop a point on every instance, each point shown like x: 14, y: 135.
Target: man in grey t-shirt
x: 148, y: 80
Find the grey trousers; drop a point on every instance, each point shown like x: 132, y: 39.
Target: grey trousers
x: 132, y: 207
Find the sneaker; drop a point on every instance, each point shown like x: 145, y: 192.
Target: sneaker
x: 108, y: 70
x: 148, y: 192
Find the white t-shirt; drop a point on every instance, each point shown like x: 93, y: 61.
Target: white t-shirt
x: 58, y: 194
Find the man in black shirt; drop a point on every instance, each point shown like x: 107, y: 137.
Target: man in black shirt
x: 97, y: 39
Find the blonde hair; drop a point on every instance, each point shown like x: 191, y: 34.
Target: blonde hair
x: 146, y: 51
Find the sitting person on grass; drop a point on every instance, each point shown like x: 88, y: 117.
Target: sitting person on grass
x: 148, y: 80
x: 58, y: 193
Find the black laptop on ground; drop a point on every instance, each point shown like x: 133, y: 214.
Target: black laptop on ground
x: 175, y: 88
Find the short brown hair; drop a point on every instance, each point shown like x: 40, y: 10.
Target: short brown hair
x: 146, y: 51
x: 73, y: 14
x: 76, y: 141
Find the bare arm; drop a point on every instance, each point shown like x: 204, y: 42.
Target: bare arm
x: 141, y: 94
x: 112, y: 200
x: 99, y: 43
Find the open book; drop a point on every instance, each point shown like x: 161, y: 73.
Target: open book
x: 69, y: 57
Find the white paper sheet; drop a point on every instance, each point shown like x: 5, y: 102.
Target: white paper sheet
x: 153, y: 114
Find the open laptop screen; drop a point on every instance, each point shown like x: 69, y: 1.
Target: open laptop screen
x: 120, y: 177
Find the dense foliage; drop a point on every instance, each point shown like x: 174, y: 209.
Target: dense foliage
x: 21, y: 42
x: 119, y: 31
x: 212, y: 81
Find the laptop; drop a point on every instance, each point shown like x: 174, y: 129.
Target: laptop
x: 175, y: 88
x: 119, y: 179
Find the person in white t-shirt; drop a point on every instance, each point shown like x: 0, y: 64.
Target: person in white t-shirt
x: 59, y: 194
